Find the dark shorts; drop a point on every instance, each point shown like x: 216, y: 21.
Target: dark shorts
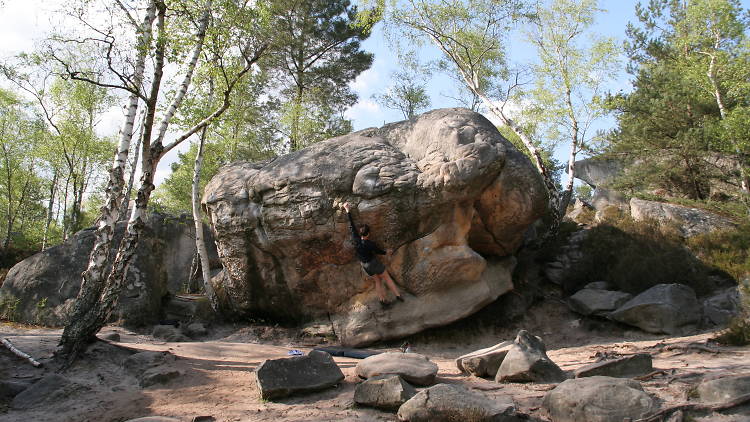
x: 373, y: 267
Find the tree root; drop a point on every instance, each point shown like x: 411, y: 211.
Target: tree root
x: 699, y: 407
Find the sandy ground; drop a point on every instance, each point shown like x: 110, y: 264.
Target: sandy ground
x: 218, y: 371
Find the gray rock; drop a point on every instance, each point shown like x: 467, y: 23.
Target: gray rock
x: 10, y: 389
x: 112, y: 337
x: 723, y: 389
x: 47, y: 283
x: 721, y: 307
x: 624, y: 367
x: 527, y: 361
x: 50, y: 389
x: 664, y: 308
x: 412, y: 367
x: 599, y: 285
x: 448, y: 403
x: 484, y: 362
x: 445, y: 190
x: 597, y: 171
x: 195, y: 329
x: 597, y: 399
x: 597, y: 302
x: 277, y: 378
x: 168, y: 333
x: 691, y: 221
x: 140, y: 362
x: 603, y: 199
x: 159, y: 375
x: 387, y: 392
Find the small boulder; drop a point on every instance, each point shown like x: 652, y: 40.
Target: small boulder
x: 140, y: 362
x: 721, y: 307
x: 159, y: 375
x: 624, y: 367
x: 168, y: 333
x: 664, y: 308
x: 49, y: 389
x: 387, y: 392
x: 597, y: 399
x: 447, y: 403
x: 112, y: 337
x: 195, y: 329
x: 10, y: 389
x: 484, y: 362
x: 597, y: 302
x: 724, y: 389
x: 690, y: 221
x: 412, y: 367
x: 278, y: 378
x: 527, y: 361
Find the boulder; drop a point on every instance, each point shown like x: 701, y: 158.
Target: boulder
x: 598, y: 171
x: 115, y: 337
x: 664, y: 308
x: 277, y: 378
x: 47, y: 283
x: 624, y: 367
x: 599, y: 285
x: 447, y: 403
x: 603, y: 198
x: 196, y: 329
x: 51, y: 388
x: 484, y: 362
x: 597, y: 399
x: 140, y: 362
x: 10, y: 389
x: 597, y: 302
x: 168, y: 333
x: 568, y: 257
x: 722, y: 306
x: 722, y: 389
x: 412, y: 367
x: 690, y: 221
x: 527, y: 361
x: 387, y: 392
x: 445, y: 191
x: 159, y: 375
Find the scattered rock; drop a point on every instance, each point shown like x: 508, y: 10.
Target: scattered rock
x: 721, y: 307
x: 484, y: 362
x: 168, y: 333
x: 527, y: 361
x: 597, y: 399
x: 49, y: 389
x: 691, y: 221
x: 664, y: 308
x: 723, y: 389
x: 447, y: 403
x: 159, y: 375
x: 384, y: 392
x: 412, y: 367
x: 597, y: 302
x: 278, y: 378
x: 624, y: 367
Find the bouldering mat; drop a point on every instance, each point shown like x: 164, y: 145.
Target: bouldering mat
x: 347, y: 352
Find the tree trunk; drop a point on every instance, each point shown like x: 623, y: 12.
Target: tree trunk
x: 125, y: 204
x: 200, y: 243
x: 50, y: 209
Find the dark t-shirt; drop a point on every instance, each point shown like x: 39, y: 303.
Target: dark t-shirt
x: 365, y: 248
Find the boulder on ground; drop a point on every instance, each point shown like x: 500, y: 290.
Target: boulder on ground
x: 691, y: 221
x: 159, y: 375
x: 412, y: 367
x: 527, y: 361
x: 195, y: 329
x: 49, y: 389
x: 168, y: 333
x: 722, y: 306
x: 277, y: 378
x: 448, y: 403
x: 664, y: 308
x: 624, y: 367
x: 597, y: 302
x: 484, y: 362
x: 10, y: 389
x: 599, y: 285
x: 387, y: 392
x: 445, y: 191
x: 598, y: 171
x: 140, y: 362
x: 597, y: 399
x: 722, y: 389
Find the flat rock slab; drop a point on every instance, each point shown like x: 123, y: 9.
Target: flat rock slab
x: 724, y: 389
x: 348, y: 352
x: 527, y: 361
x: 277, y: 378
x: 387, y: 392
x: 412, y: 367
x: 597, y: 301
x: 49, y: 389
x: 624, y: 367
x: 597, y: 399
x: 484, y: 362
x: 664, y: 308
x: 448, y: 403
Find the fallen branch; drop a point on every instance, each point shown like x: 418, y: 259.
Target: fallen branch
x: 689, y: 347
x: 650, y: 375
x: 19, y: 353
x: 697, y: 407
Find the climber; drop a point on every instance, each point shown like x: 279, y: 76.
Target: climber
x: 366, y: 250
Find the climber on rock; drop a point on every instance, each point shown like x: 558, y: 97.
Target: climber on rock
x: 366, y: 251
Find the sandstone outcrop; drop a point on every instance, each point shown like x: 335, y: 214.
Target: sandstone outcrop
x: 445, y: 191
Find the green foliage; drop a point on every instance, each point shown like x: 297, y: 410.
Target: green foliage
x: 584, y: 192
x: 552, y: 164
x: 9, y: 307
x: 407, y: 92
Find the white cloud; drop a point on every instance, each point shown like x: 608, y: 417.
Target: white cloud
x: 366, y: 113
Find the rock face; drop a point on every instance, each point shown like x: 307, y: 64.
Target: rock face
x: 691, y: 221
x: 597, y: 399
x: 664, y: 308
x: 484, y: 362
x: 527, y: 361
x: 412, y: 367
x: 439, y: 190
x: 46, y: 284
x: 597, y: 302
x: 597, y: 172
x: 278, y: 378
x: 387, y: 392
x: 624, y: 367
x: 447, y: 403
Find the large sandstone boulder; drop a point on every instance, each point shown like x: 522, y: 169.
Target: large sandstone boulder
x: 45, y: 285
x: 278, y: 378
x: 664, y: 308
x: 527, y: 361
x: 445, y: 191
x: 412, y: 367
x: 598, y: 172
x: 690, y: 221
x: 597, y: 399
x: 448, y: 403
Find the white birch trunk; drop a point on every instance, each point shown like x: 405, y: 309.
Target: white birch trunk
x: 200, y: 243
